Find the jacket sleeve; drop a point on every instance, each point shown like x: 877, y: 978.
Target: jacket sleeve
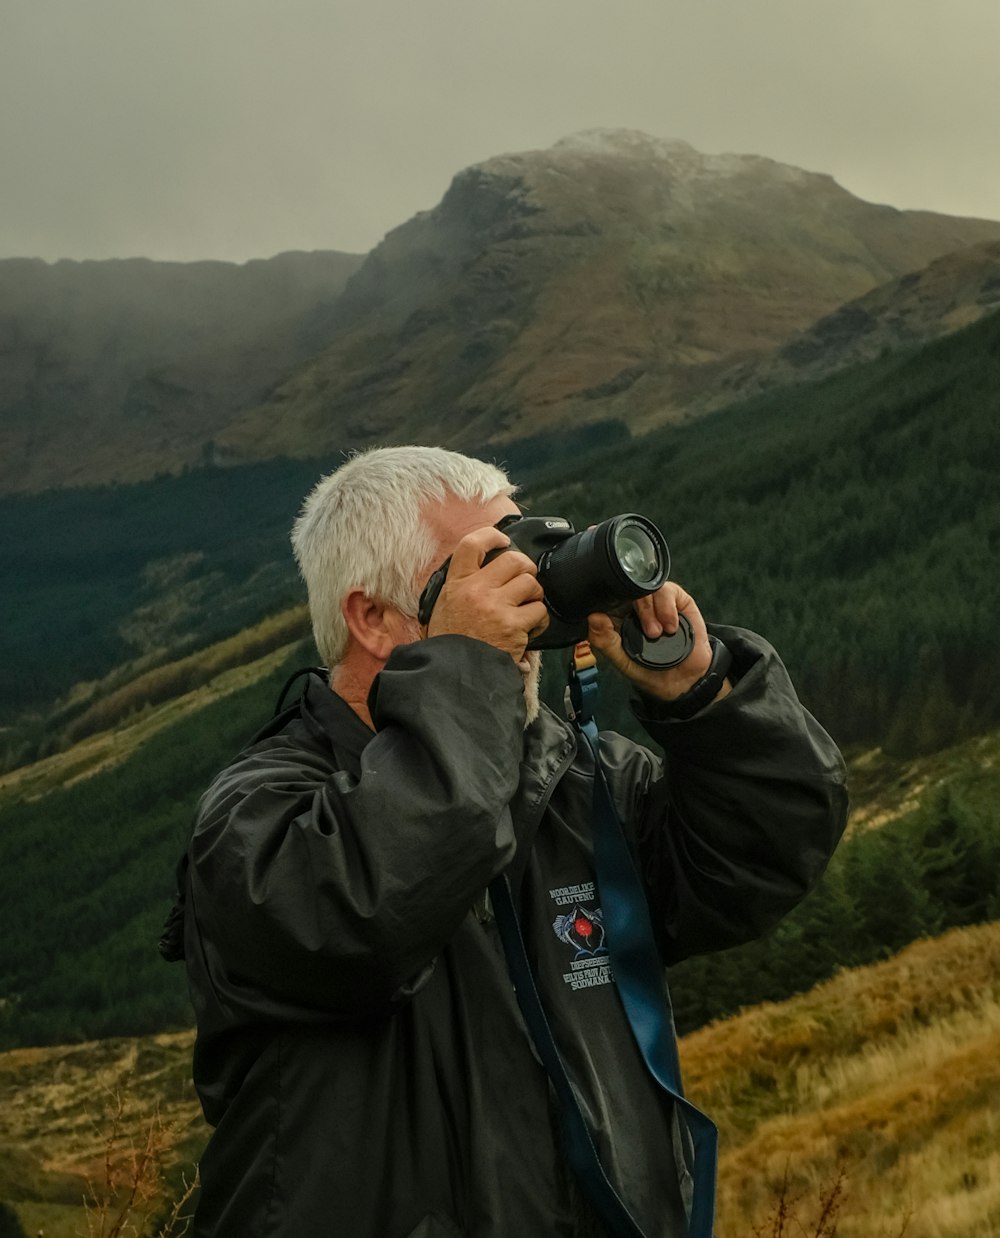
x: 739, y: 822
x: 314, y: 888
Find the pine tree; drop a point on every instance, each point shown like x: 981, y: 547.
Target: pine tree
x: 10, y: 1226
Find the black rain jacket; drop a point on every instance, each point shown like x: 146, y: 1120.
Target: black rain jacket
x: 360, y: 1050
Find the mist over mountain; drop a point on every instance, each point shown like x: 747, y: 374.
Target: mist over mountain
x: 120, y: 369
x: 615, y: 277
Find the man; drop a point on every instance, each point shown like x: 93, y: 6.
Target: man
x: 360, y: 1047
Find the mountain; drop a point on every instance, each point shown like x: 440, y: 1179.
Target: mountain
x: 613, y: 280
x: 118, y: 370
x: 613, y: 276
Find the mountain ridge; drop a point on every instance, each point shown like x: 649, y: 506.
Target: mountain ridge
x: 952, y: 292
x: 610, y: 276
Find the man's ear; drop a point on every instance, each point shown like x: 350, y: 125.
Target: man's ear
x: 372, y: 623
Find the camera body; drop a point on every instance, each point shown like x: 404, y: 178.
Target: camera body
x: 602, y: 569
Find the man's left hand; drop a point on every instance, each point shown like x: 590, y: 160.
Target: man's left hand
x: 658, y: 614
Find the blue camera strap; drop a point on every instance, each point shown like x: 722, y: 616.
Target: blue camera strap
x: 638, y: 975
x: 578, y: 1143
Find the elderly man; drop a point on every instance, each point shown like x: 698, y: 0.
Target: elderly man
x: 361, y: 1048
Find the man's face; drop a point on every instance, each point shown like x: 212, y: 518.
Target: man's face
x: 449, y: 521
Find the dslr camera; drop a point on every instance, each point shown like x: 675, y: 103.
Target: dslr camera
x: 604, y: 568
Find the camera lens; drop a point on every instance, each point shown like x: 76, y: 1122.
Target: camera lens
x: 604, y: 568
x: 637, y: 554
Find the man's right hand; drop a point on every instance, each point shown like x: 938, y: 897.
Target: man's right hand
x: 499, y: 603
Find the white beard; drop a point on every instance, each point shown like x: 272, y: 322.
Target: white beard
x: 532, y: 678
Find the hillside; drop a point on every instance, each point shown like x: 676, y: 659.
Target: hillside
x: 950, y: 293
x: 88, y: 849
x: 890, y: 1074
x: 887, y: 1074
x: 102, y: 583
x: 122, y: 369
x: 614, y: 275
x: 855, y: 520
x: 814, y: 513
x: 817, y: 519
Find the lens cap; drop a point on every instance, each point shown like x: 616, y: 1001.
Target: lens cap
x: 662, y: 653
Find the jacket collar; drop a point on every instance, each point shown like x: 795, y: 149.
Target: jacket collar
x: 549, y: 742
x: 334, y: 723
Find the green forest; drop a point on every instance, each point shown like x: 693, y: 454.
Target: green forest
x: 106, y: 575
x: 95, y: 867
x: 854, y: 522
x: 933, y: 869
x: 112, y: 580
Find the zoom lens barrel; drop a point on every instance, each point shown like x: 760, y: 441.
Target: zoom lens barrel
x: 604, y: 567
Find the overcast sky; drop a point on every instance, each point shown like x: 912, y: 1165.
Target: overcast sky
x: 183, y: 129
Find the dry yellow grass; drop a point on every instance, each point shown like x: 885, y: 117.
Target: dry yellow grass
x: 52, y: 1099
x: 56, y: 1107
x: 173, y: 679
x: 891, y: 1073
x: 108, y: 748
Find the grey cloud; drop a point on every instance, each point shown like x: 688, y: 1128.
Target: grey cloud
x: 241, y: 127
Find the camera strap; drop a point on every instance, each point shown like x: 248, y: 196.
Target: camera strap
x: 638, y: 977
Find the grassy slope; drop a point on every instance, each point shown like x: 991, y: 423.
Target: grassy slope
x: 119, y: 722
x: 890, y: 1073
x: 93, y: 836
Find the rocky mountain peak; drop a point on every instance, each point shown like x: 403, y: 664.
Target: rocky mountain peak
x: 632, y: 153
x: 625, y: 143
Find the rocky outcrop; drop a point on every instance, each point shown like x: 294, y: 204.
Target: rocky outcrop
x: 950, y: 293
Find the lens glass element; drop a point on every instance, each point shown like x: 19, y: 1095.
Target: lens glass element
x: 637, y: 554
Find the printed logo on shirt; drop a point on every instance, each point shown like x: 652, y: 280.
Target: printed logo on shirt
x: 582, y: 929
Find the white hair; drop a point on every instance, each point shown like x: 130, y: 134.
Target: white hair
x: 362, y: 527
